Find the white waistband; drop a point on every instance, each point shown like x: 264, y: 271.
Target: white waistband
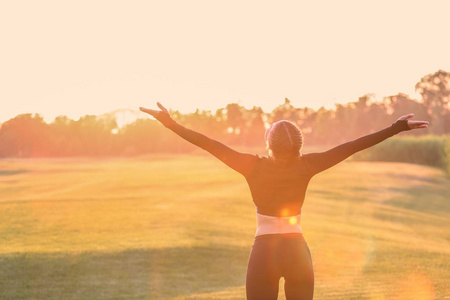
x: 277, y: 225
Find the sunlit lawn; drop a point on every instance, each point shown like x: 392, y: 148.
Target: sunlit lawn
x: 182, y: 226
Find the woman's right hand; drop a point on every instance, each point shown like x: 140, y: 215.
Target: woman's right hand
x: 161, y: 115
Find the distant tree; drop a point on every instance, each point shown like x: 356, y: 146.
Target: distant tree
x: 352, y: 116
x: 26, y: 135
x: 93, y: 134
x: 322, y: 132
x: 377, y: 116
x: 235, y: 122
x: 253, y: 134
x: 205, y: 122
x: 65, y: 141
x: 302, y: 117
x: 305, y: 122
x: 285, y: 111
x: 435, y: 91
x: 371, y: 115
x: 362, y: 118
x: 221, y: 119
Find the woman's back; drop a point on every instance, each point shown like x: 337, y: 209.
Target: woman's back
x: 278, y: 188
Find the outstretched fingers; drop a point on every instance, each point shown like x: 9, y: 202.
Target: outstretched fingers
x: 152, y: 112
x: 162, y: 107
x: 418, y: 124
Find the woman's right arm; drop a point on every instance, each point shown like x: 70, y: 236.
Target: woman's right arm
x: 240, y: 162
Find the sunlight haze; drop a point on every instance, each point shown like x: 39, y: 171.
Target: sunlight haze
x: 93, y: 57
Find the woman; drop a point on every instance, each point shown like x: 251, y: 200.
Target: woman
x: 278, y: 185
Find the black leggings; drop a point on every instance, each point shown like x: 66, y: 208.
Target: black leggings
x: 280, y: 255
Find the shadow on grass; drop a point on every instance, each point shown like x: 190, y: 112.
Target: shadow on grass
x: 12, y: 172
x: 427, y: 199
x: 131, y: 274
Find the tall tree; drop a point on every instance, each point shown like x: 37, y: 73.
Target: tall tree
x: 235, y: 121
x: 254, y: 127
x: 26, y: 135
x: 435, y: 91
x: 401, y: 104
x: 285, y: 111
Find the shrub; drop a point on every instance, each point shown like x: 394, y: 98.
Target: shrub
x: 426, y: 150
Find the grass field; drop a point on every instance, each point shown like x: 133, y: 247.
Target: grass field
x: 181, y: 227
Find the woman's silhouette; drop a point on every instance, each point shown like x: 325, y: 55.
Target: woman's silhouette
x: 278, y: 184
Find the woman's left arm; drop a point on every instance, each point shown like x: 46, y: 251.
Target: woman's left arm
x: 321, y: 161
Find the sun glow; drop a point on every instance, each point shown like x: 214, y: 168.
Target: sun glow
x: 187, y: 71
x: 293, y: 220
x: 416, y: 286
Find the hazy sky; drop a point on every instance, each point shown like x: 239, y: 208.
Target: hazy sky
x: 91, y: 57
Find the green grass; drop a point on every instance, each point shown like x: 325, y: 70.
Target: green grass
x: 182, y: 226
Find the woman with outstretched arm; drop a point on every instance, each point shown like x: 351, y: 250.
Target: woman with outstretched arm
x: 278, y: 185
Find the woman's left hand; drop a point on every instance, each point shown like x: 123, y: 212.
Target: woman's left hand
x: 412, y: 124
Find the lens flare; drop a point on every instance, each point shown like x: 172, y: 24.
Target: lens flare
x: 292, y: 220
x: 285, y: 212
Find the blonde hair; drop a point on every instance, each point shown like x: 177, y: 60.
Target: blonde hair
x: 284, y: 139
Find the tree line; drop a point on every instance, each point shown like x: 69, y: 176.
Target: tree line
x: 28, y: 135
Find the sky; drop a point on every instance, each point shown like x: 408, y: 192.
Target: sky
x: 82, y: 57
